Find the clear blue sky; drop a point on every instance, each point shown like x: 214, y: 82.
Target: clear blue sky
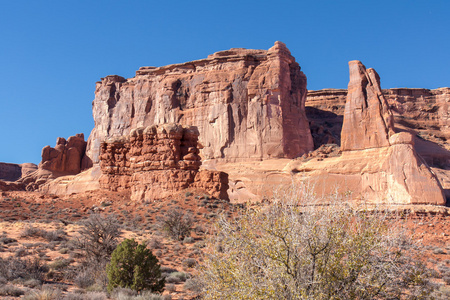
x: 53, y: 52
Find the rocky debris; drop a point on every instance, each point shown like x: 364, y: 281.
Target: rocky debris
x: 66, y: 157
x: 324, y: 151
x: 155, y: 161
x: 246, y: 104
x: 368, y: 121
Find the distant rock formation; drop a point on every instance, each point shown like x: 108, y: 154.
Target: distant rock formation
x: 246, y: 104
x: 66, y: 157
x: 12, y: 172
x: 155, y: 161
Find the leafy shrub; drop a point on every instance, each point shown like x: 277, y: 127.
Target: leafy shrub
x: 134, y: 266
x: 177, y: 224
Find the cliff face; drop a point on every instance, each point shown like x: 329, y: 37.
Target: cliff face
x: 155, y: 161
x: 246, y: 104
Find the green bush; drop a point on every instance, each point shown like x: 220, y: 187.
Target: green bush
x: 134, y: 266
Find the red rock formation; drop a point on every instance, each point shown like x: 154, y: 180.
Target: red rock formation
x: 376, y: 165
x: 247, y: 104
x: 368, y: 121
x: 66, y: 157
x: 155, y: 161
x: 423, y: 112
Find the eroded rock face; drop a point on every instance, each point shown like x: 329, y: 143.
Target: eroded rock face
x: 368, y: 121
x: 246, y: 104
x: 155, y: 161
x: 66, y: 157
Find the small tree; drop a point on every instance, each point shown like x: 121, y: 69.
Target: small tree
x: 134, y: 266
x: 97, y: 238
x: 177, y: 224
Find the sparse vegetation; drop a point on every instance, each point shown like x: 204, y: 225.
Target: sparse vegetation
x: 299, y: 249
x: 177, y: 224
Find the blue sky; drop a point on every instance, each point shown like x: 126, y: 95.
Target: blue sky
x: 53, y: 52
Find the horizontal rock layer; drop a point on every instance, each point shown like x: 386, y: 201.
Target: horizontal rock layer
x: 155, y: 161
x: 246, y: 104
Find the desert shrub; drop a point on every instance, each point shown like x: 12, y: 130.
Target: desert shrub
x: 188, y: 240
x: 298, y: 249
x: 11, y: 290
x: 50, y: 236
x: 438, y: 250
x: 144, y: 295
x: 85, y: 296
x: 177, y: 277
x: 155, y: 243
x: 55, y: 235
x: 32, y: 283
x: 45, y: 293
x: 189, y: 263
x: 134, y: 266
x: 193, y: 285
x: 177, y: 224
x: 97, y: 237
x: 171, y: 287
x: 13, y: 268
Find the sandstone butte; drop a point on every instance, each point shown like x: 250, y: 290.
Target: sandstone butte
x: 253, y: 134
x: 246, y: 104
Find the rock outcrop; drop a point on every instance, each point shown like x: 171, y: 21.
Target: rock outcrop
x: 246, y: 104
x: 368, y: 121
x: 377, y: 165
x: 155, y: 161
x: 66, y: 157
